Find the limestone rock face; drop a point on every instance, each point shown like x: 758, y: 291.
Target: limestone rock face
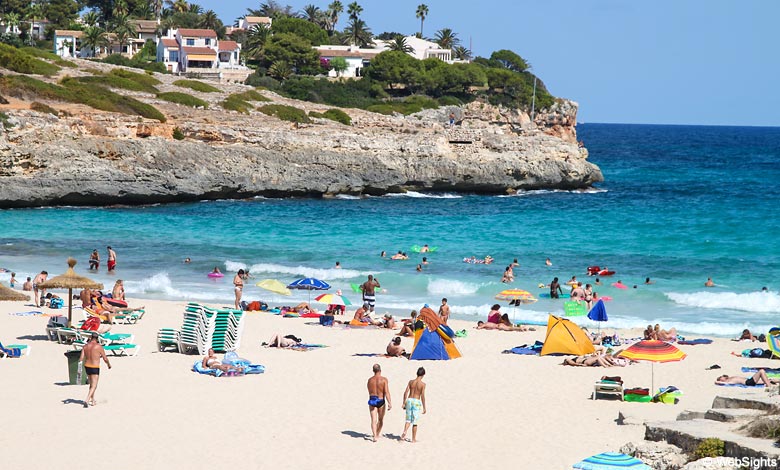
x: 658, y: 455
x: 90, y: 158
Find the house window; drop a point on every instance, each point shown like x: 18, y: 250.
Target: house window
x: 174, y: 56
x: 190, y: 42
x: 208, y: 41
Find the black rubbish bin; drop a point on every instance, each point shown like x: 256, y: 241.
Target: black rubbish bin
x: 73, y: 368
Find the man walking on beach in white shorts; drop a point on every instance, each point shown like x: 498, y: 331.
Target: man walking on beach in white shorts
x: 414, y: 403
x: 369, y: 291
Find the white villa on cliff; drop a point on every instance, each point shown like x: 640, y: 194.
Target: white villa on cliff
x: 359, y: 58
x: 199, y: 51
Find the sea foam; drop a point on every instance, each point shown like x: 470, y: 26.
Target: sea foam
x: 450, y: 287
x: 160, y: 284
x: 756, y: 302
x: 414, y: 194
x: 301, y: 271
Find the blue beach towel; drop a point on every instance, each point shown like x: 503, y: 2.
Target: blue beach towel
x: 740, y: 385
x: 24, y: 314
x: 693, y: 342
x: 198, y: 367
x: 768, y: 370
x: 526, y: 350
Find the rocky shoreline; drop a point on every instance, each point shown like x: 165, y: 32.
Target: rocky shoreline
x: 86, y: 157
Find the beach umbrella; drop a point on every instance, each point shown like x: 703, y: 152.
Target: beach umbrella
x: 309, y: 284
x: 598, y: 313
x: 6, y: 293
x: 653, y: 351
x: 272, y: 285
x: 333, y: 299
x: 611, y: 461
x: 516, y: 296
x: 70, y: 280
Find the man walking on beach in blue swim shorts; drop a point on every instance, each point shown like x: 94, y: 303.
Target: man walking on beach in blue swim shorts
x: 369, y: 291
x: 378, y: 396
x: 414, y: 403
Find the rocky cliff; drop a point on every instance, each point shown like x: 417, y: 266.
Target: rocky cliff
x: 85, y: 157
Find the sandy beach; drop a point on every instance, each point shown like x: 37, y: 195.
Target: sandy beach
x: 486, y: 409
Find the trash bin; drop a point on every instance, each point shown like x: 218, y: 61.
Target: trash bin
x: 73, y: 368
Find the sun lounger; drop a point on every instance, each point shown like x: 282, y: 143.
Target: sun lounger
x: 54, y: 324
x: 168, y: 337
x: 67, y: 335
x: 14, y: 350
x: 108, y: 338
x: 116, y: 349
x: 607, y: 387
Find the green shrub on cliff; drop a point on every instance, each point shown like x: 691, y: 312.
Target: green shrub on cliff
x: 142, y: 78
x: 22, y: 62
x: 251, y: 95
x: 41, y: 54
x: 334, y: 115
x: 285, y: 113
x: 183, y: 98
x: 710, y: 447
x: 43, y: 108
x: 234, y: 103
x: 197, y: 86
x: 114, y: 81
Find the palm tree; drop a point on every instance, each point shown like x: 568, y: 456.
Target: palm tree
x: 272, y: 9
x: 209, y: 20
x: 399, y: 44
x: 12, y: 20
x: 94, y: 38
x: 334, y: 9
x: 35, y: 11
x: 354, y: 10
x: 446, y: 39
x: 179, y: 6
x: 255, y: 41
x: 311, y: 13
x: 358, y: 34
x: 144, y: 11
x: 123, y: 28
x: 422, y: 13
x: 195, y: 8
x: 90, y: 18
x: 461, y: 53
x: 120, y: 8
x: 156, y: 7
x: 280, y: 70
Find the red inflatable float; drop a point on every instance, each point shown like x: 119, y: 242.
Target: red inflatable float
x: 597, y: 271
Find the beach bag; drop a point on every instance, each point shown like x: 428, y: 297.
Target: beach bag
x: 263, y: 305
x: 253, y: 306
x: 56, y: 303
x: 91, y: 324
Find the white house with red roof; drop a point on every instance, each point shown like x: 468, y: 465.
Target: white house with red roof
x: 248, y: 22
x: 198, y: 51
x: 357, y: 58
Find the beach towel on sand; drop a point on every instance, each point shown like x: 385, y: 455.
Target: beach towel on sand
x: 740, y: 385
x: 694, y: 342
x: 526, y: 350
x: 248, y: 369
x: 771, y: 373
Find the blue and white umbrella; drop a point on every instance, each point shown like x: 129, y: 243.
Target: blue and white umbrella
x: 309, y: 284
x: 611, y: 461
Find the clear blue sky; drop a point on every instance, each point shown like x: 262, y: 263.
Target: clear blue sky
x: 625, y: 61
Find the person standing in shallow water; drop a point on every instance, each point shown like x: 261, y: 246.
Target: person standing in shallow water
x: 378, y: 396
x: 238, y: 287
x: 111, y: 263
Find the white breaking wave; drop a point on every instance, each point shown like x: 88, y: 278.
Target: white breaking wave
x: 449, y: 287
x: 348, y: 197
x: 758, y: 302
x: 160, y: 283
x: 535, y: 192
x: 324, y: 274
x: 415, y: 194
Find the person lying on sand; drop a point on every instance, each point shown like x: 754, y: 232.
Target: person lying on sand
x: 279, y: 341
x: 665, y: 335
x: 746, y: 335
x: 593, y: 360
x: 758, y: 378
x: 211, y: 362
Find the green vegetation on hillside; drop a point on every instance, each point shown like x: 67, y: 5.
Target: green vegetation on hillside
x: 334, y: 115
x: 72, y: 91
x: 43, y: 108
x: 197, y: 86
x: 41, y: 54
x: 183, y: 98
x: 285, y: 113
x: 240, y: 101
x: 112, y: 80
x: 22, y: 62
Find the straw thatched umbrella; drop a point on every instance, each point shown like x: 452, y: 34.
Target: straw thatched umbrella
x: 70, y: 280
x: 6, y: 293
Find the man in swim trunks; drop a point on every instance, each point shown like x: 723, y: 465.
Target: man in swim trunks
x: 369, y: 291
x: 94, y: 260
x: 111, y: 263
x: 378, y: 395
x: 555, y: 289
x: 758, y: 378
x: 91, y: 355
x: 414, y: 403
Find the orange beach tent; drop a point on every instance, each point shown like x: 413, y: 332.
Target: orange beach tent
x: 564, y: 337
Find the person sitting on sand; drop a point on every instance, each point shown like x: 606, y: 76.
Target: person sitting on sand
x: 494, y: 316
x: 388, y: 321
x: 758, y: 378
x: 27, y: 284
x: 649, y: 333
x: 363, y: 315
x: 394, y: 349
x: 505, y: 324
x: 118, y: 292
x: 746, y: 335
x: 211, y: 362
x: 279, y: 341
x: 665, y: 335
x: 410, y: 325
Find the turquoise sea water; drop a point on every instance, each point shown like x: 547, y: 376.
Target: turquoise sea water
x: 679, y: 204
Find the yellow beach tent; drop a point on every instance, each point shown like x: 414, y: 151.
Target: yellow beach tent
x: 564, y: 337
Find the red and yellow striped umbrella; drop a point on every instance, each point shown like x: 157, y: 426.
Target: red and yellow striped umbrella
x: 652, y: 350
x: 523, y: 296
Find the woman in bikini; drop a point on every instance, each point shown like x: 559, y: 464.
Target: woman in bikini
x: 238, y: 283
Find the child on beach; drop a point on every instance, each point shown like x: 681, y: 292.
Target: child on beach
x: 414, y: 404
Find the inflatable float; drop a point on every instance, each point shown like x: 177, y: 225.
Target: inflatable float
x: 215, y: 275
x: 619, y: 285
x: 597, y: 271
x: 417, y: 248
x: 475, y: 260
x: 116, y: 302
x: 546, y: 295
